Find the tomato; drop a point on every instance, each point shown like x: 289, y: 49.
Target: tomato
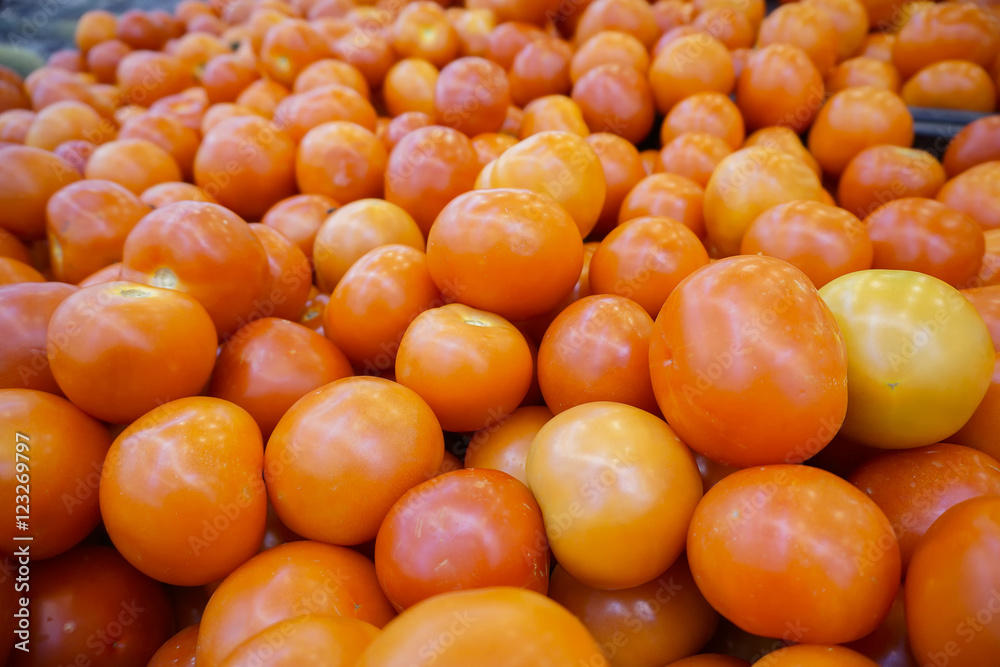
x: 490, y: 249
x: 745, y: 184
x: 863, y: 71
x: 162, y: 194
x: 650, y: 624
x: 56, y: 448
x: 824, y: 242
x: 974, y: 193
x: 341, y: 160
x: 88, y: 222
x: 489, y: 627
x: 850, y: 22
x: 300, y: 112
x: 668, y: 196
x: 855, y: 119
x: 247, y: 163
x: 290, y: 280
x: 951, y: 84
x: 376, y: 439
x: 805, y: 26
x: 838, y: 561
x: 407, y: 122
x: 694, y: 155
x: 64, y: 121
x: 608, y: 47
x: 710, y: 660
x: 815, y: 656
x: 421, y: 30
x: 696, y: 364
x: 13, y: 272
x: 953, y: 587
x: 107, y: 345
x: 910, y: 384
x: 472, y: 367
x: 688, y: 65
x: 880, y: 174
x: 917, y: 234
x: 504, y: 446
x: 977, y: 142
x: 11, y: 247
x: 552, y: 113
x: 178, y: 651
x: 712, y: 113
x: 427, y: 169
x: 622, y: 169
x: 644, y: 259
x: 561, y: 165
x: 253, y: 372
x: 981, y: 430
x: 28, y: 178
x: 779, y: 85
x: 914, y: 487
x: 25, y: 312
x: 305, y: 639
x: 288, y: 48
x: 465, y: 529
x: 946, y: 32
x: 117, y: 617
x: 288, y: 581
x: 409, y: 86
x: 472, y: 95
x: 617, y: 489
x: 888, y: 645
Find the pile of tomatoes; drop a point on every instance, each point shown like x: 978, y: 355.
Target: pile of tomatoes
x: 518, y: 333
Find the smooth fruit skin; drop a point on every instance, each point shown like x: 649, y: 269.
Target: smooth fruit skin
x: 286, y: 582
x: 919, y: 357
x: 344, y: 453
x: 25, y: 311
x: 120, y: 349
x: 62, y: 453
x: 178, y: 651
x: 464, y: 529
x: 310, y: 639
x: 790, y: 545
x: 170, y: 504
x: 645, y: 626
x: 953, y: 587
x: 505, y: 446
x: 617, y: 489
x: 747, y: 363
x: 814, y: 656
x: 488, y: 627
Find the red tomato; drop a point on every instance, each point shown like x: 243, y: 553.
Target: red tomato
x: 715, y: 338
x: 789, y: 547
x: 504, y: 446
x: 25, y: 312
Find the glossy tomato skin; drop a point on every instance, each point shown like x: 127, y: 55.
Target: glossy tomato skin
x: 107, y: 345
x: 255, y: 372
x: 697, y: 365
x: 602, y: 460
x: 880, y: 174
x: 118, y: 616
x: 472, y: 367
x: 283, y: 583
x: 58, y: 449
x: 178, y: 651
x: 830, y: 565
x: 512, y: 252
x: 206, y: 251
x: 597, y: 349
x: 505, y: 446
x: 953, y: 587
x: 305, y: 639
x: 25, y: 311
x: 290, y: 279
x: 490, y: 627
x: 650, y: 624
x: 208, y: 518
x: 815, y: 656
x: 915, y: 486
x: 465, y: 529
x: 910, y: 384
x: 344, y: 453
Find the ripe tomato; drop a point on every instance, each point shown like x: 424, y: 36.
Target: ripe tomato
x: 911, y: 384
x: 552, y: 113
x: 747, y: 183
x: 290, y: 276
x: 622, y: 169
x: 977, y: 142
x: 666, y: 196
x: 472, y: 95
x: 89, y: 605
x: 710, y: 660
x: 163, y: 471
x: 880, y: 174
x: 688, y: 65
x: 974, y: 192
x: 178, y: 651
x: 863, y: 71
x: 515, y: 253
x: 650, y: 624
x: 805, y: 26
x: 916, y: 486
x: 472, y: 367
x: 815, y: 656
x: 791, y: 405
x: 61, y: 456
x: 283, y: 583
x: 107, y: 346
x: 694, y: 155
x: 779, y: 85
x: 644, y: 259
x: 344, y: 453
x: 505, y: 446
x: 254, y: 372
x: 488, y: 627
x: 824, y: 242
x: 305, y: 639
x: 953, y: 587
x: 28, y: 178
x: 25, y: 312
x: 617, y: 489
x: 951, y: 84
x: 831, y: 569
x: 409, y: 86
x: 203, y: 250
x: 946, y: 32
x: 465, y: 529
x: 299, y: 113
